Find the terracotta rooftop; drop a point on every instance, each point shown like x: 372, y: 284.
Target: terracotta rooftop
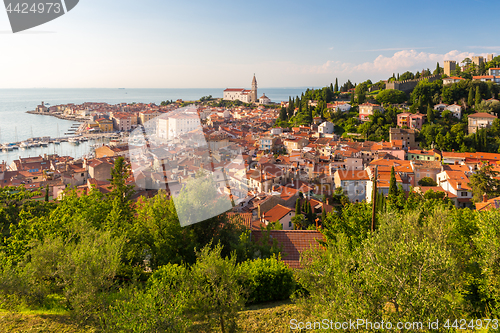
x: 293, y: 242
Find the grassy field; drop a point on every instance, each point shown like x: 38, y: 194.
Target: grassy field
x: 269, y: 318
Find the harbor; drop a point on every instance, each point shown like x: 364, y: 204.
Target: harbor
x: 76, y: 146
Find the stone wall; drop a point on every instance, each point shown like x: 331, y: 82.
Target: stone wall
x: 408, y: 85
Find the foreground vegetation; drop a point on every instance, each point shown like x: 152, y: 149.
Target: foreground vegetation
x: 100, y: 263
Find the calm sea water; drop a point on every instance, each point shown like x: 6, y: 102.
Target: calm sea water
x: 17, y: 125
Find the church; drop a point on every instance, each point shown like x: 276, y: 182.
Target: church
x: 246, y: 96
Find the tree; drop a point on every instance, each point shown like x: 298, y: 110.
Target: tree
x: 361, y: 90
x: 393, y: 187
x: 437, y: 70
x: 297, y: 207
x: 484, y: 182
x: 478, y: 96
x: 489, y: 107
x: 298, y: 221
x: 336, y: 88
x: 396, y: 273
x: 283, y: 114
x: 47, y: 193
x: 391, y: 96
x: 470, y: 99
x: 430, y: 114
x: 427, y: 181
x: 216, y: 292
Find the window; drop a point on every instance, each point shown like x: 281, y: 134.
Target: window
x: 290, y: 224
x: 464, y: 194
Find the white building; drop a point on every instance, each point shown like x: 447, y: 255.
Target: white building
x: 455, y: 109
x: 353, y: 183
x: 175, y: 124
x: 326, y: 128
x: 368, y: 109
x: 339, y: 106
x: 246, y: 96
x: 456, y: 182
x: 276, y: 131
x: 264, y: 99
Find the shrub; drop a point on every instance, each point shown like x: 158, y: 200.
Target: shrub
x: 160, y: 307
x: 267, y: 279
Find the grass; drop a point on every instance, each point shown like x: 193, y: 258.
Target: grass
x: 271, y: 317
x: 25, y: 322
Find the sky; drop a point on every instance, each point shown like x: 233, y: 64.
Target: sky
x: 220, y: 44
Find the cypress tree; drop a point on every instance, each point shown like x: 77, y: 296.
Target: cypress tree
x: 430, y: 114
x: 393, y: 187
x: 283, y: 114
x: 352, y: 99
x: 47, y: 193
x: 323, y: 215
x: 470, y: 100
x: 478, y: 96
x: 331, y: 87
x: 297, y: 207
x: 336, y: 88
x: 311, y: 214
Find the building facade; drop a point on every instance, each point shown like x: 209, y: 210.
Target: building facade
x: 480, y: 120
x: 245, y: 96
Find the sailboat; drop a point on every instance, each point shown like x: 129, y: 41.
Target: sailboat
x: 57, y: 141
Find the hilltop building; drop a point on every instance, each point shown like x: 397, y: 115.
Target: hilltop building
x: 246, y: 96
x: 480, y: 120
x: 449, y: 66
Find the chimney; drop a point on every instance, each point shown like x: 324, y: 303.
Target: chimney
x: 485, y: 197
x: 459, y: 185
x: 455, y: 163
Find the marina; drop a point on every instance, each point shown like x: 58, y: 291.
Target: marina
x: 74, y: 146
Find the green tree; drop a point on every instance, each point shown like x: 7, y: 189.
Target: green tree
x: 283, y: 114
x: 297, y: 207
x: 484, y: 181
x: 427, y: 181
x: 437, y: 70
x: 430, y: 114
x: 487, y: 241
x: 396, y: 274
x: 216, y: 292
x: 336, y: 88
x: 391, y: 96
x: 478, y: 96
x: 393, y: 187
x: 470, y: 99
x: 47, y: 193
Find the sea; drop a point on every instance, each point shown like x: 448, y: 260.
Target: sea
x: 16, y: 125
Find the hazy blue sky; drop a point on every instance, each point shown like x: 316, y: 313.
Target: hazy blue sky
x: 198, y: 44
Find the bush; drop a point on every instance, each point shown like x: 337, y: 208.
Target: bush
x: 267, y: 279
x: 427, y: 181
x: 160, y: 307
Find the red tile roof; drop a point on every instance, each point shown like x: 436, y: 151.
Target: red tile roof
x: 293, y: 243
x: 481, y: 115
x: 276, y: 213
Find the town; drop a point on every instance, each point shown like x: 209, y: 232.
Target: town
x: 273, y: 159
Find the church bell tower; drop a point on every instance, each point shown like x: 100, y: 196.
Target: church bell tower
x: 254, y: 89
